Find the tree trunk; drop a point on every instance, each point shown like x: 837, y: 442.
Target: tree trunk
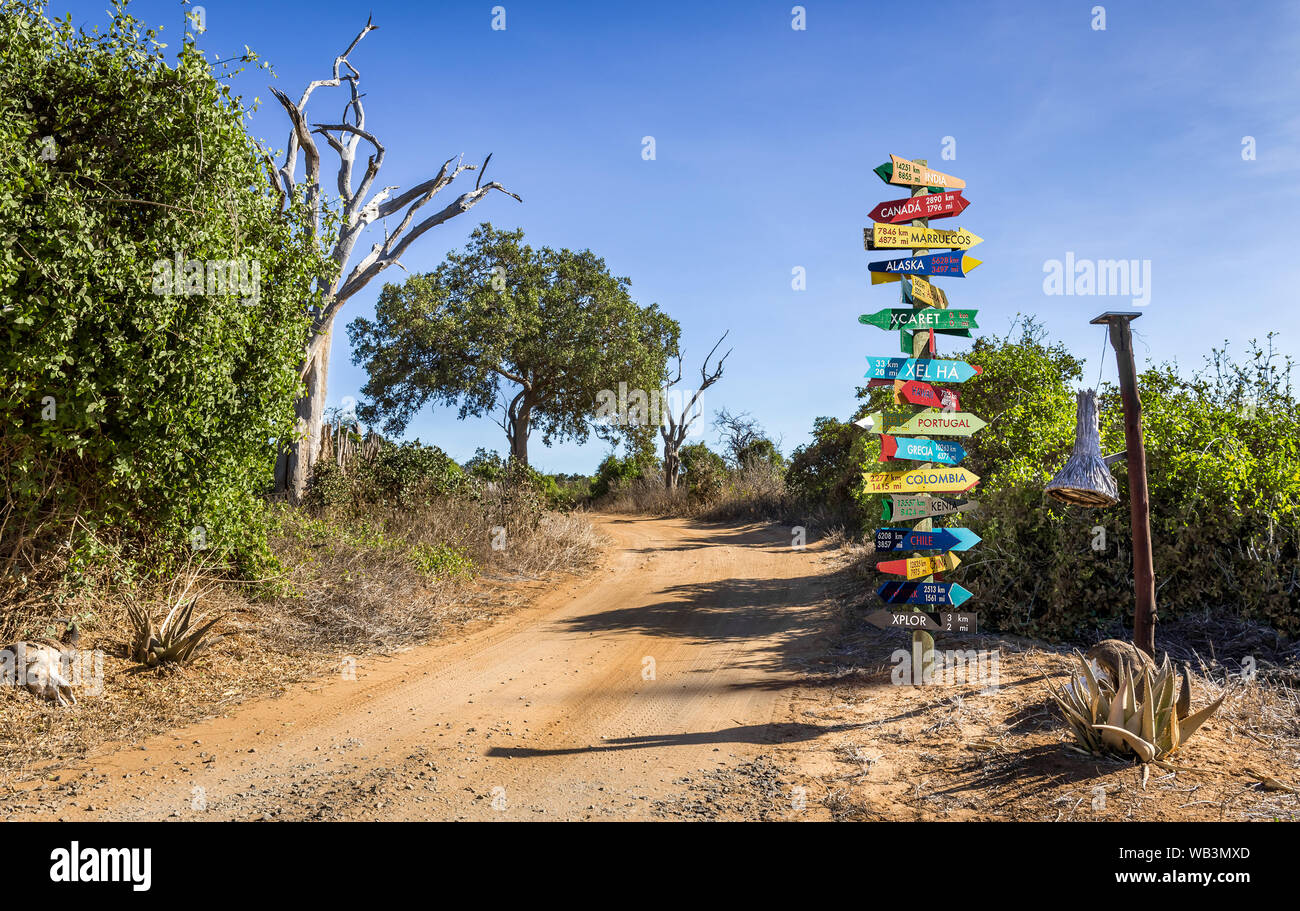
x: 519, y: 434
x: 672, y: 465
x: 293, y: 468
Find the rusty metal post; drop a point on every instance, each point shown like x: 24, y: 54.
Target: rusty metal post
x: 1144, y: 577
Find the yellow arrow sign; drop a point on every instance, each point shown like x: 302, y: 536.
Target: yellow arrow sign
x: 943, y: 479
x: 921, y: 290
x: 879, y: 278
x: 912, y: 237
x: 919, y: 567
x: 911, y: 174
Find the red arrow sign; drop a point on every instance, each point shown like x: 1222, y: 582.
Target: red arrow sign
x: 934, y: 205
x: 918, y: 393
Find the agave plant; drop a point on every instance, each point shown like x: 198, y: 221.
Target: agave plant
x: 181, y: 633
x: 1130, y: 717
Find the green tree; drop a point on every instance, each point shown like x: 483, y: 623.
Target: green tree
x: 828, y: 469
x: 703, y: 470
x: 150, y: 291
x: 539, y: 334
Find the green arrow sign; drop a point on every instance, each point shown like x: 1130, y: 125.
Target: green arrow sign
x: 926, y: 318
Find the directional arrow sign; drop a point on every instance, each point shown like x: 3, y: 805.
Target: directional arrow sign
x: 954, y: 264
x: 921, y: 480
x: 885, y: 421
x: 927, y: 423
x: 938, y: 539
x: 905, y: 507
x: 923, y: 593
x: 913, y: 174
x: 908, y: 368
x: 948, y: 622
x: 917, y: 393
x: 919, y: 567
x: 920, y: 450
x: 937, y: 205
x: 912, y: 237
x: 925, y: 318
x: 919, y: 291
x: 902, y: 620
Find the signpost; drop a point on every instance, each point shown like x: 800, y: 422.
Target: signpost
x: 921, y: 480
x: 909, y: 620
x: 955, y: 264
x: 928, y: 318
x: 916, y: 392
x: 923, y: 593
x: 914, y: 450
x: 919, y: 567
x: 916, y: 290
x: 938, y: 539
x: 912, y: 377
x: 949, y: 621
x: 916, y: 174
x: 884, y: 236
x: 939, y: 423
x: 911, y: 368
x: 909, y: 507
x: 901, y: 211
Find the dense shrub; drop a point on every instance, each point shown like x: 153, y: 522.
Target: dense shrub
x: 401, y: 476
x: 133, y: 404
x: 1223, y: 460
x: 828, y: 470
x: 704, y: 472
x: 617, y: 472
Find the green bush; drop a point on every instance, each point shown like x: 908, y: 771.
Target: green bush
x: 401, y: 476
x: 616, y: 472
x: 141, y: 403
x: 441, y: 560
x: 485, y: 465
x: 704, y: 472
x: 1223, y: 461
x: 828, y: 470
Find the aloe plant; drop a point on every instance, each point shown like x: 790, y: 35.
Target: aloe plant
x: 176, y: 641
x: 1129, y: 716
x: 181, y: 633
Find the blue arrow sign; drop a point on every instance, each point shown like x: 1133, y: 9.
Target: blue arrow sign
x: 915, y: 450
x: 923, y: 593
x: 939, y: 539
x: 924, y: 369
x: 956, y: 264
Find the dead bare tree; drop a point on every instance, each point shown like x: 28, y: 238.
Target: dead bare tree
x: 358, y: 212
x: 677, y: 425
x: 737, y: 433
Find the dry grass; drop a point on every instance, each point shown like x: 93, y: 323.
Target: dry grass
x: 351, y: 586
x: 753, y: 494
x: 967, y: 752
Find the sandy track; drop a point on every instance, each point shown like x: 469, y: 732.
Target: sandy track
x: 545, y: 715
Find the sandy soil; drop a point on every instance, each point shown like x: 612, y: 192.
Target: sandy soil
x: 703, y: 672
x: 654, y: 688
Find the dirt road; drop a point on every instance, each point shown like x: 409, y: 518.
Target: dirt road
x: 654, y: 688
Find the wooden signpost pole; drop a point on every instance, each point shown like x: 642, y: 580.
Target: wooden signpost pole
x: 922, y: 346
x: 1144, y: 577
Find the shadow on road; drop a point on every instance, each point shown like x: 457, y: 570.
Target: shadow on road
x: 771, y: 734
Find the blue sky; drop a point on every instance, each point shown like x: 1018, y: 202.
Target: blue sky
x: 1118, y: 144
